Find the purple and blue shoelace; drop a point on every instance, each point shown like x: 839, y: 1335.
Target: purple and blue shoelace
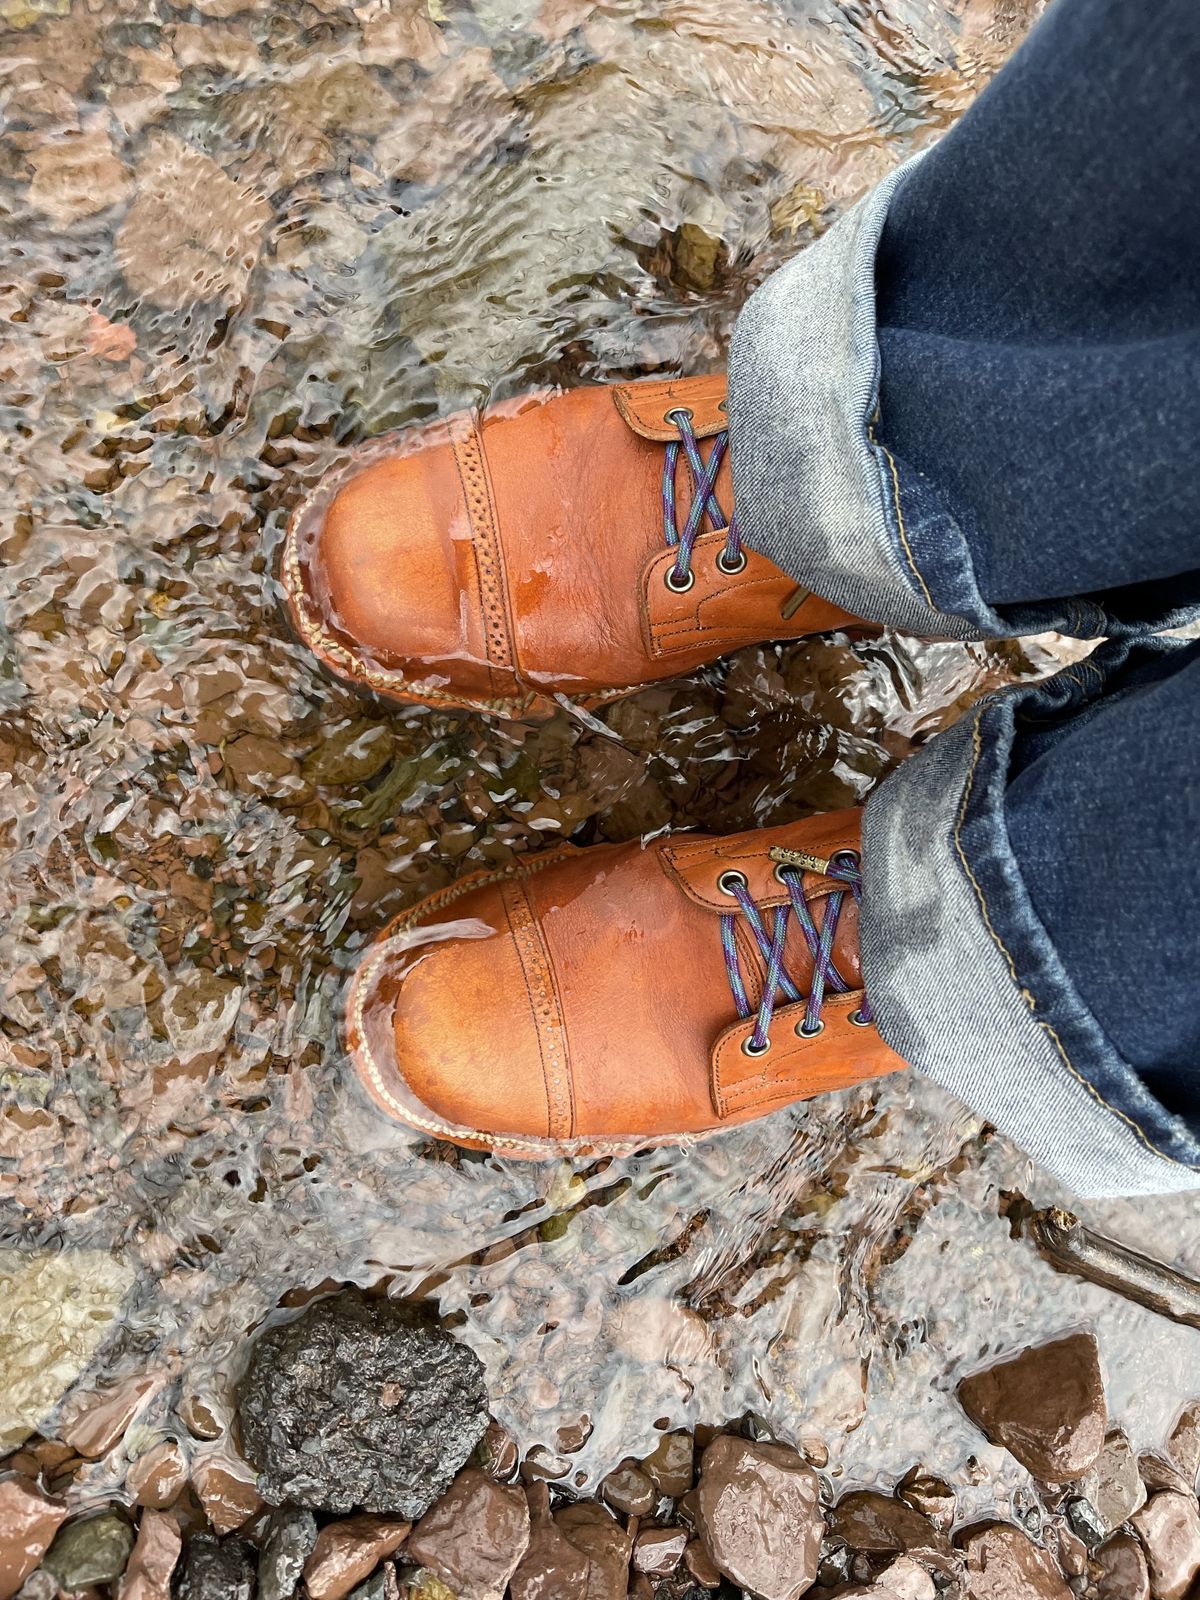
x: 732, y: 559
x: 845, y: 867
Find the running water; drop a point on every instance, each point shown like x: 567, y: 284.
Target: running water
x: 238, y: 238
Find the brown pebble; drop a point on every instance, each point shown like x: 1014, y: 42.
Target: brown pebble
x: 932, y: 1497
x: 154, y: 1557
x: 1158, y: 1473
x: 759, y: 1516
x: 474, y: 1537
x: 699, y: 1563
x: 1121, y: 1570
x: 498, y: 1453
x: 671, y: 1466
x: 346, y: 1552
x: 28, y: 1522
x: 1004, y: 1564
x: 879, y: 1524
x: 93, y: 1423
x: 200, y: 1418
x: 630, y: 1490
x: 658, y: 1551
x: 1169, y: 1527
x: 1184, y: 1444
x: 608, y: 1546
x: 227, y: 1489
x: 1045, y: 1405
x: 156, y: 1479
x: 552, y: 1567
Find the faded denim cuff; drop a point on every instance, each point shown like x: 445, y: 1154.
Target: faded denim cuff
x: 819, y: 494
x: 965, y: 980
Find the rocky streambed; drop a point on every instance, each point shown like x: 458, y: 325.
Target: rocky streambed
x: 362, y: 1462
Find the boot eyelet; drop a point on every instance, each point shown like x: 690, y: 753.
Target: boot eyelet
x: 677, y: 586
x: 678, y: 414
x: 731, y: 881
x: 809, y: 1033
x: 784, y: 872
x: 731, y: 568
x: 859, y: 1021
x: 749, y: 1048
x: 722, y: 405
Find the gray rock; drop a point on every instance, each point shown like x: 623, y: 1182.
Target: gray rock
x: 90, y: 1551
x: 286, y: 1546
x: 360, y: 1403
x: 1113, y: 1486
x: 215, y: 1569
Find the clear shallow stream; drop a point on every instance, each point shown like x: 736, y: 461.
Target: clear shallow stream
x: 235, y: 238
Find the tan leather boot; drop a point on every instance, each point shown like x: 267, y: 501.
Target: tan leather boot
x: 601, y: 999
x: 579, y: 545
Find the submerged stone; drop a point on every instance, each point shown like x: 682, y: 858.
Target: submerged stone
x: 215, y: 1569
x: 360, y: 1403
x: 760, y: 1516
x: 286, y: 1546
x: 28, y: 1522
x: 1045, y: 1405
x: 475, y: 1537
x: 1169, y: 1527
x: 93, y: 1550
x: 1004, y: 1564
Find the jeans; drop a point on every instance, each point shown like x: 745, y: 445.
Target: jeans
x: 972, y: 409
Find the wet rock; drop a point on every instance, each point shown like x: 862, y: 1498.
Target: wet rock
x: 1121, y: 1570
x: 359, y: 1403
x: 215, y: 1569
x: 474, y: 1537
x: 383, y: 1584
x: 880, y: 1525
x: 1169, y: 1527
x: 93, y: 1423
x: 157, y: 1479
x: 59, y: 1307
x: 353, y: 753
x: 759, y: 1516
x: 658, y: 1551
x: 1184, y: 1444
x: 701, y: 1566
x: 225, y: 1488
x: 606, y: 1544
x: 347, y: 1552
x: 92, y: 1550
x: 498, y: 1454
x: 908, y: 1580
x: 631, y: 1490
x: 1045, y: 1405
x: 1072, y: 1552
x: 932, y: 1497
x: 1086, y: 1521
x: 1004, y: 1564
x: 77, y: 176
x: 154, y: 1558
x: 671, y: 1464
x: 287, y: 1545
x: 552, y: 1568
x: 1113, y: 1485
x: 28, y: 1522
x: 1157, y: 1473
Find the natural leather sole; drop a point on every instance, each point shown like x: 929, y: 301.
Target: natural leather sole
x: 388, y: 1089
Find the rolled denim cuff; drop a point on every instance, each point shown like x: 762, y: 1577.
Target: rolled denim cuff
x: 965, y: 980
x: 821, y: 496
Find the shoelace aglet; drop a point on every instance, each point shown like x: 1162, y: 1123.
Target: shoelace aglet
x: 793, y: 603
x: 797, y: 858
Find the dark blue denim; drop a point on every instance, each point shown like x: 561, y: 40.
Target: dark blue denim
x: 1038, y: 288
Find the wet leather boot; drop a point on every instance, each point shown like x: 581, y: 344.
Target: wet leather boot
x: 579, y: 545
x: 601, y: 999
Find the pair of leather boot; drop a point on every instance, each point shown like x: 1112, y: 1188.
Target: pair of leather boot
x: 577, y: 548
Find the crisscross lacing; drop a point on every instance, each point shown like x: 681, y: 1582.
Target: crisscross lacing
x: 845, y: 867
x: 704, y: 502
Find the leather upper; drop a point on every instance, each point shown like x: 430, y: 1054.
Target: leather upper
x: 501, y: 559
x: 583, y: 997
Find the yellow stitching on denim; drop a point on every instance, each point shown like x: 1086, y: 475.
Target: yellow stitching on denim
x: 1025, y: 994
x: 900, y: 516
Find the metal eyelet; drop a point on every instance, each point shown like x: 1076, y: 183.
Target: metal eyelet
x: 682, y: 412
x: 784, y: 871
x: 730, y: 881
x: 749, y: 1048
x: 722, y: 406
x: 859, y: 1021
x: 731, y: 569
x: 809, y: 1033
x: 850, y: 857
x: 673, y: 583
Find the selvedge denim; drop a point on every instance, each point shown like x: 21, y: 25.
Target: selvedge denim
x: 971, y: 410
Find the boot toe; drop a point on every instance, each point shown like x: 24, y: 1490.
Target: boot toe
x: 378, y: 575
